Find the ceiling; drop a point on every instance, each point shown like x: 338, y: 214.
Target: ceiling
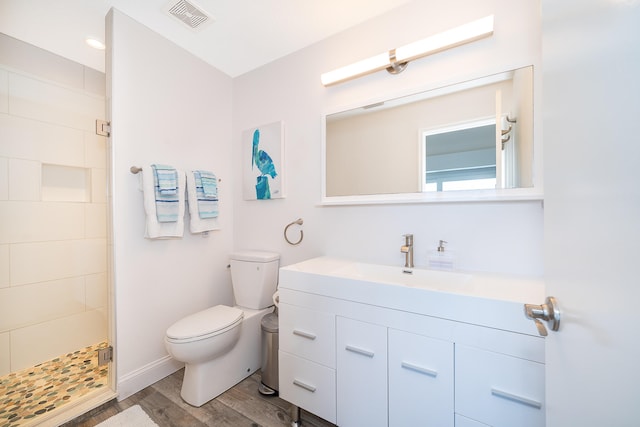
x: 243, y: 34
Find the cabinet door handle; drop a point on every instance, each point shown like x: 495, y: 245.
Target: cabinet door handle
x: 516, y: 398
x: 304, y: 334
x: 419, y: 369
x: 305, y: 386
x: 359, y: 351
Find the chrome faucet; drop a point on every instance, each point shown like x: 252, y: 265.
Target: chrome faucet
x: 407, y: 249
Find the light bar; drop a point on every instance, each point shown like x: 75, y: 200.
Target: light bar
x: 396, y: 59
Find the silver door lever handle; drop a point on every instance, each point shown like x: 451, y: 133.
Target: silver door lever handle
x: 548, y: 312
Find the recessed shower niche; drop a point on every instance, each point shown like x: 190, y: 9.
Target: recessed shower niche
x: 65, y: 183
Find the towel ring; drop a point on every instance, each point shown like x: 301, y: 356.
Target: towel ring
x: 299, y: 222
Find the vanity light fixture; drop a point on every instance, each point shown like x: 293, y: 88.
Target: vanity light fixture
x: 396, y: 60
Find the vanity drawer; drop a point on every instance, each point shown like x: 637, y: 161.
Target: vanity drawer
x: 499, y: 390
x: 308, y: 385
x: 308, y: 333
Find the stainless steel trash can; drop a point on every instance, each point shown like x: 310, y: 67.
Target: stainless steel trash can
x: 269, y: 354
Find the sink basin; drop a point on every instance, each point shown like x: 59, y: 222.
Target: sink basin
x: 490, y: 299
x: 483, y: 285
x: 412, y: 277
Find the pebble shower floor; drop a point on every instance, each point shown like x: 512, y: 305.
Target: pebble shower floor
x: 29, y: 393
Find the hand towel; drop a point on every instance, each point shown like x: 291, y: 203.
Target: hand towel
x: 203, y: 212
x: 166, y: 193
x: 155, y: 229
x: 207, y: 193
x: 166, y: 179
x: 209, y: 184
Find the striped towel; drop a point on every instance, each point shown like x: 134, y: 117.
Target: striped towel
x: 207, y: 193
x: 165, y: 180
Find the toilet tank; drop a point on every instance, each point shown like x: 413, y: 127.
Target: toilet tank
x: 254, y: 276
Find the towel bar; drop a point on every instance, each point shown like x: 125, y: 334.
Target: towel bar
x: 136, y: 169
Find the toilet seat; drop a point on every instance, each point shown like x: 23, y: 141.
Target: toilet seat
x: 205, y: 324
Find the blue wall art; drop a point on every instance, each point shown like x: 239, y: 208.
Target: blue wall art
x: 263, y: 148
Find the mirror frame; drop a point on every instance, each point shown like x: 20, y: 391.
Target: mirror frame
x: 462, y: 196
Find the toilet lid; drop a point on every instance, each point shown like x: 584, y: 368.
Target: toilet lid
x: 205, y: 322
x: 254, y: 256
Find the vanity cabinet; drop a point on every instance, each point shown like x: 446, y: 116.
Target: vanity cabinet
x: 365, y: 371
x: 357, y: 354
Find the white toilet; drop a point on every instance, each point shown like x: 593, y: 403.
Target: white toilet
x: 221, y: 345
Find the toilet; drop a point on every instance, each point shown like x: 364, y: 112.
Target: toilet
x: 221, y: 345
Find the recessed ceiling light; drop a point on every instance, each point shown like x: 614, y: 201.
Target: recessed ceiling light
x: 95, y: 43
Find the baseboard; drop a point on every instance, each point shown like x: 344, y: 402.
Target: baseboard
x: 143, y: 377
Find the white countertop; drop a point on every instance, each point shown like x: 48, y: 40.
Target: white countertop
x: 491, y: 300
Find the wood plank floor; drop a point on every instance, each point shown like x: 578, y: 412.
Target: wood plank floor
x: 240, y: 406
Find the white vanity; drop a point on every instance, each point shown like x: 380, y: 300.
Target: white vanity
x: 370, y: 345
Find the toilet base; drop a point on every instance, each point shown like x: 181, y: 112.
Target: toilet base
x: 205, y: 381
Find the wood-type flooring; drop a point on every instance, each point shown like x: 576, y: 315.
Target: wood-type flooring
x: 240, y: 406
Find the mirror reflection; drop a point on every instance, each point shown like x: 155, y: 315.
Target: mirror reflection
x: 473, y: 135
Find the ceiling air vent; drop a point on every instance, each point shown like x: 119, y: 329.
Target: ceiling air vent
x: 194, y: 17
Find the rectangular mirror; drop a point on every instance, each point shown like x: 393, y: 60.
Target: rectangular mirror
x: 475, y: 136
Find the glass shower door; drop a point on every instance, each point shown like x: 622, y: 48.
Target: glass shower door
x: 54, y: 281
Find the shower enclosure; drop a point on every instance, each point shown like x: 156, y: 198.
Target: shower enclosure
x: 54, y: 268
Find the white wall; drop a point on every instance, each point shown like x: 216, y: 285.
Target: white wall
x: 53, y: 228
x: 499, y: 237
x: 166, y: 107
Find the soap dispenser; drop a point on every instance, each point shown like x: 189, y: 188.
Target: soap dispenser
x: 442, y: 259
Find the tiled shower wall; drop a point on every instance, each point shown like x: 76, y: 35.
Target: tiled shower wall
x: 53, y: 206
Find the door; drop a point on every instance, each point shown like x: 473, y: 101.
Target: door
x: 591, y: 103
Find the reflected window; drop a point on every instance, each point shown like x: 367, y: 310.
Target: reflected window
x: 460, y: 157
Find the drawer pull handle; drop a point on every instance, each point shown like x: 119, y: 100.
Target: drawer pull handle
x: 516, y: 398
x: 304, y: 334
x: 359, y: 351
x: 420, y: 369
x: 307, y: 387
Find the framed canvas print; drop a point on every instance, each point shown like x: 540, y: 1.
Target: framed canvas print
x: 262, y: 162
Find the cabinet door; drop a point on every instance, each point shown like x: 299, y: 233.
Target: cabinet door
x: 361, y: 373
x: 499, y: 390
x: 420, y: 380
